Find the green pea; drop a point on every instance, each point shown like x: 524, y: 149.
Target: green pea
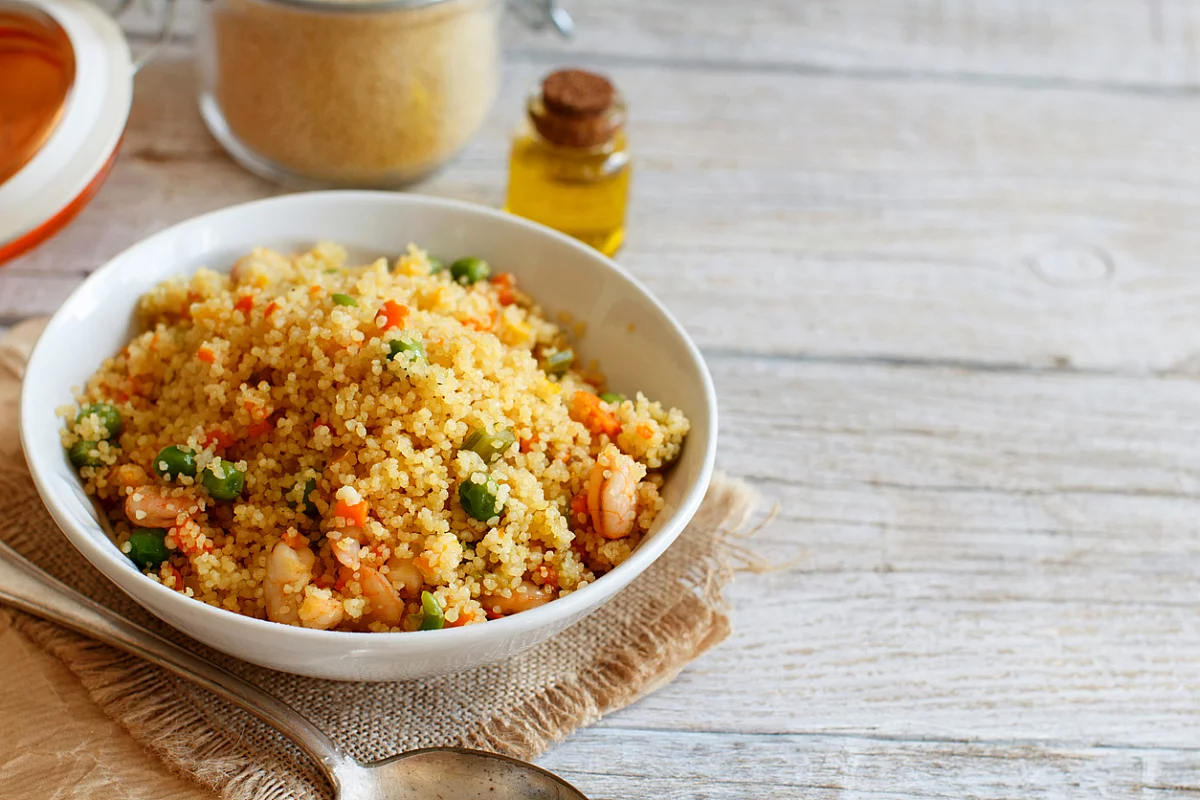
x: 612, y: 397
x: 558, y: 362
x: 305, y: 505
x: 477, y: 494
x: 434, y: 618
x: 226, y: 486
x: 436, y: 265
x: 110, y: 418
x: 174, y: 461
x: 343, y: 300
x: 470, y: 270
x: 147, y: 547
x: 489, y: 446
x: 84, y: 454
x: 412, y: 347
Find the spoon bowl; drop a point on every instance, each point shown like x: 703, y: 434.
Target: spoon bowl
x: 438, y: 773
x: 452, y: 773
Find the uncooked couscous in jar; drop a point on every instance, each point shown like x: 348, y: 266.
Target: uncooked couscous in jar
x: 405, y: 445
x: 349, y: 93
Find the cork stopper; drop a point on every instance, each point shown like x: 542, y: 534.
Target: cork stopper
x: 577, y: 109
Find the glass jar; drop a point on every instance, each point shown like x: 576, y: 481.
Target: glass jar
x: 367, y: 93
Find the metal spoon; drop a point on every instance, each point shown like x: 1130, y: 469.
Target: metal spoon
x: 446, y: 773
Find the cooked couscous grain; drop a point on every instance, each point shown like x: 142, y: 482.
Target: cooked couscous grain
x: 364, y: 448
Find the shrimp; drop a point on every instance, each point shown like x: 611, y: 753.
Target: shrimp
x: 405, y: 576
x: 148, y: 507
x: 612, y: 494
x: 289, y: 570
x: 320, y: 609
x: 386, y: 605
x: 526, y: 596
x: 345, y: 544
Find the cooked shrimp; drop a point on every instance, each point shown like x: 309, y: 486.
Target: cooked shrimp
x: 148, y: 507
x: 288, y: 571
x: 526, y: 596
x: 345, y: 544
x: 612, y: 494
x: 386, y: 606
x: 405, y: 576
x: 320, y: 609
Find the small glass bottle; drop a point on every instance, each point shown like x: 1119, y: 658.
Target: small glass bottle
x: 569, y: 168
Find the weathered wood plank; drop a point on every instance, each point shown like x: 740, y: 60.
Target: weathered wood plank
x: 623, y: 764
x: 906, y: 221
x: 1110, y: 42
x: 981, y: 555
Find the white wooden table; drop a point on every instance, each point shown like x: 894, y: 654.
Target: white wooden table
x: 943, y: 257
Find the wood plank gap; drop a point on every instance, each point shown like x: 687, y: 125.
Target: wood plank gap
x: 1055, y: 744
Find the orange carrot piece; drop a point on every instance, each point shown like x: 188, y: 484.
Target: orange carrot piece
x: 219, y: 438
x: 260, y: 428
x: 244, y: 304
x: 355, y: 514
x: 206, y: 354
x: 271, y: 308
x: 464, y: 618
x: 588, y: 410
x: 394, y: 315
x: 644, y: 431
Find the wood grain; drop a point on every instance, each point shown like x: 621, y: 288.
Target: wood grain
x: 1091, y: 44
x: 625, y: 764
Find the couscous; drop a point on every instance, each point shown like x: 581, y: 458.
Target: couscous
x: 389, y: 447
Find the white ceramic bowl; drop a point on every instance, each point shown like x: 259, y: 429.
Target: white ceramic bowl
x: 639, y: 345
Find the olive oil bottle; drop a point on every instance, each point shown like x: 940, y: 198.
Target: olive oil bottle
x: 569, y: 168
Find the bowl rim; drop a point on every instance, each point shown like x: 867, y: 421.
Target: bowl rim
x: 572, y: 607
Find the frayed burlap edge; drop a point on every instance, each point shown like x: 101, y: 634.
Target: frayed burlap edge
x: 141, y: 697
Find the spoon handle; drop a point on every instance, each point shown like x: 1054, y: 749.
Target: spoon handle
x: 28, y: 588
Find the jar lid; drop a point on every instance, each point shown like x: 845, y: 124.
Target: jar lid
x: 66, y: 85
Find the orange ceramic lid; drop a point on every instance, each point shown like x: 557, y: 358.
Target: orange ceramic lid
x: 66, y: 84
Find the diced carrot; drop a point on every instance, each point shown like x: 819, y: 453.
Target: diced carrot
x: 482, y: 325
x: 271, y: 308
x: 244, y: 304
x: 588, y: 410
x: 644, y: 431
x: 260, y: 428
x: 206, y: 354
x: 355, y: 514
x: 464, y: 618
x: 219, y: 438
x: 315, y: 290
x: 394, y: 315
x: 172, y: 578
x: 423, y: 564
x: 504, y: 288
x: 549, y: 576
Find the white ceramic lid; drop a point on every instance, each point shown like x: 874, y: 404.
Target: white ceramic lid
x: 68, y: 168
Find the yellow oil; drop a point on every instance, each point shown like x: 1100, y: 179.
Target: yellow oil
x: 581, y: 192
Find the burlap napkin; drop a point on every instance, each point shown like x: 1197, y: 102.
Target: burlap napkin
x: 630, y: 647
